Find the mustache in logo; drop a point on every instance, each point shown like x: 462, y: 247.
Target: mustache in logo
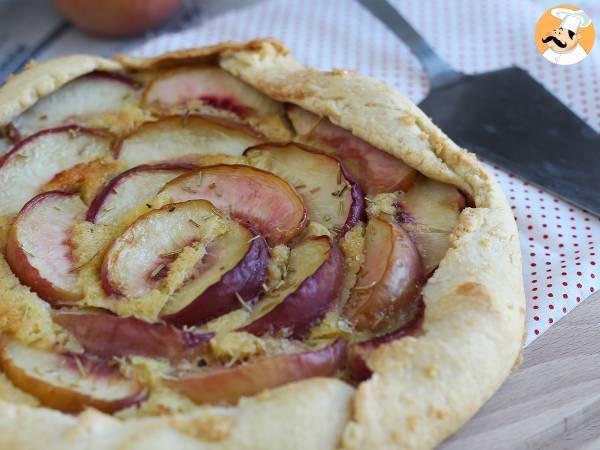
x: 556, y: 41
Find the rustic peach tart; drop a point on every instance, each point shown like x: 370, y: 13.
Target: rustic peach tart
x: 221, y: 248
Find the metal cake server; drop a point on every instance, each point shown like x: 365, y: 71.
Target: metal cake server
x: 508, y: 118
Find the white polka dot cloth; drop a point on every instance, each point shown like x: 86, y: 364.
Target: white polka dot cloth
x: 558, y: 241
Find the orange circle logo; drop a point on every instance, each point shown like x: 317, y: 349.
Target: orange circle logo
x: 564, y: 35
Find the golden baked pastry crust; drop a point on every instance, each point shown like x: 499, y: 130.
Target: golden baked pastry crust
x: 423, y: 388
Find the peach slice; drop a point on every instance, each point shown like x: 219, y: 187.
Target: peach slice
x: 359, y: 352
x: 38, y: 159
x: 68, y: 382
x: 134, y: 187
x: 234, y: 268
x: 194, y: 87
x: 181, y: 138
x: 375, y: 170
x: 107, y: 335
x: 140, y: 257
x: 90, y: 95
x: 251, y: 195
x: 429, y: 212
x: 228, y: 385
x: 332, y: 198
x: 315, y: 274
x: 38, y: 247
x: 389, y: 281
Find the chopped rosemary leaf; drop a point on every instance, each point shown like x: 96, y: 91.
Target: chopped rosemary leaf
x: 169, y: 254
x: 165, y: 376
x: 25, y: 313
x: 313, y: 190
x: 364, y: 288
x: 156, y: 271
x: 80, y: 366
x: 341, y: 191
x: 172, y: 208
x: 193, y: 222
x: 148, y: 205
x: 188, y: 189
x: 339, y: 175
x: 82, y: 265
x: 300, y: 186
x: 341, y: 208
x: 245, y: 305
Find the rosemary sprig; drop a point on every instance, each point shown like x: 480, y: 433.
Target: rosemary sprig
x: 194, y: 223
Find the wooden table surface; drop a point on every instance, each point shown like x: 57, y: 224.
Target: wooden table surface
x: 552, y: 402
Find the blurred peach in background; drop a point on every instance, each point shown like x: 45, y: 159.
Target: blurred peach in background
x: 117, y: 17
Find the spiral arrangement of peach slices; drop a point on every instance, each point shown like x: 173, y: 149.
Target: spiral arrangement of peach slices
x: 183, y: 219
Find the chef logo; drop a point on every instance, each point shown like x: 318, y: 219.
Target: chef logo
x: 565, y: 35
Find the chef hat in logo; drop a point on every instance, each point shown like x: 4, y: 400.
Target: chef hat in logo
x: 572, y: 20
